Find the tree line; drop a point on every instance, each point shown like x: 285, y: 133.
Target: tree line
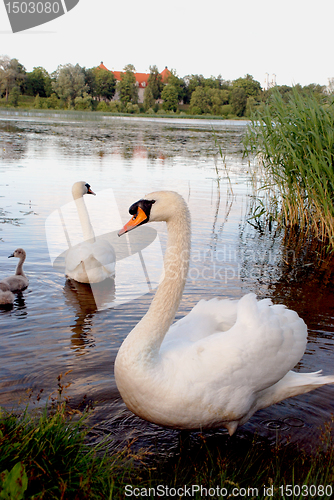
x: 75, y: 87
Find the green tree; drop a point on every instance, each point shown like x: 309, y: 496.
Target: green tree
x: 311, y: 90
x: 69, y: 82
x: 250, y: 105
x: 200, y: 101
x: 83, y: 103
x: 127, y: 86
x: 154, y: 82
x: 219, y: 97
x: 105, y: 84
x: 131, y: 108
x: 315, y: 90
x: 238, y: 101
x: 103, y: 106
x: 37, y: 102
x: 90, y: 80
x: 194, y: 81
x: 20, y: 74
x: 12, y: 74
x: 170, y: 97
x: 208, y: 100
x: 284, y: 90
x: 214, y: 82
x: 14, y: 96
x: 149, y: 100
x: 179, y: 84
x: 250, y: 86
x: 38, y: 81
x: 115, y: 107
x: 53, y: 102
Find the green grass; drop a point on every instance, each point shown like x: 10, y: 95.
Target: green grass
x: 24, y: 102
x: 53, y: 457
x: 46, y: 456
x: 246, y: 466
x: 294, y: 142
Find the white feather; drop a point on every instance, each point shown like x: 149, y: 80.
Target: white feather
x: 219, y: 364
x: 93, y: 260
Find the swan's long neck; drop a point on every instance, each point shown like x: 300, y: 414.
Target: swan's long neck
x: 87, y: 229
x: 19, y: 267
x: 146, y: 338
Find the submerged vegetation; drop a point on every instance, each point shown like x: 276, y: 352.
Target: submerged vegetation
x: 294, y: 144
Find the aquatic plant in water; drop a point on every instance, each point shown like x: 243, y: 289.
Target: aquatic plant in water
x: 294, y: 142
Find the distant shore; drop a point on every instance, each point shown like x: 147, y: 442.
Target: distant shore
x: 24, y: 111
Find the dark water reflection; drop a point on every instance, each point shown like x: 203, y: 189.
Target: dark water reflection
x: 57, y: 326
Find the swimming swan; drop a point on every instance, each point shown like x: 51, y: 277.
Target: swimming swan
x: 219, y: 364
x: 6, y: 296
x: 18, y: 281
x: 92, y: 260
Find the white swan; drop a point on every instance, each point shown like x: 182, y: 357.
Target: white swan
x: 18, y: 281
x: 92, y: 260
x: 219, y: 364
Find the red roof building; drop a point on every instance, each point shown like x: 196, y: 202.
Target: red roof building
x: 165, y: 74
x: 141, y: 79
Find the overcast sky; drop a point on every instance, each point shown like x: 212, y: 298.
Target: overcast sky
x: 291, y: 38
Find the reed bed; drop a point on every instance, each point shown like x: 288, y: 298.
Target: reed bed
x: 294, y: 143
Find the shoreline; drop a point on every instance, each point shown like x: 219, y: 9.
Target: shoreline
x: 97, y: 115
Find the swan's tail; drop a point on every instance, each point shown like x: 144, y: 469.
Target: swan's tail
x: 293, y: 384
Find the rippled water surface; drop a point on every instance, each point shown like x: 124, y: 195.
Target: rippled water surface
x: 56, y: 326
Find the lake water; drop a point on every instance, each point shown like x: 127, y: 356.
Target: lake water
x: 56, y: 327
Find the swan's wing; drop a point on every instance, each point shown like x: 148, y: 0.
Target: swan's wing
x: 275, y: 339
x: 100, y: 250
x: 104, y: 253
x: 16, y: 282
x: 265, y: 342
x: 74, y: 256
x: 206, y: 318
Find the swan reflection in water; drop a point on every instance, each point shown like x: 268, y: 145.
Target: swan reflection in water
x: 86, y: 299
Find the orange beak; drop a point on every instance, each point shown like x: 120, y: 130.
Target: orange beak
x: 136, y: 220
x: 90, y: 191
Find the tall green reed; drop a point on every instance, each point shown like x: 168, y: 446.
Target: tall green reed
x: 294, y: 142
